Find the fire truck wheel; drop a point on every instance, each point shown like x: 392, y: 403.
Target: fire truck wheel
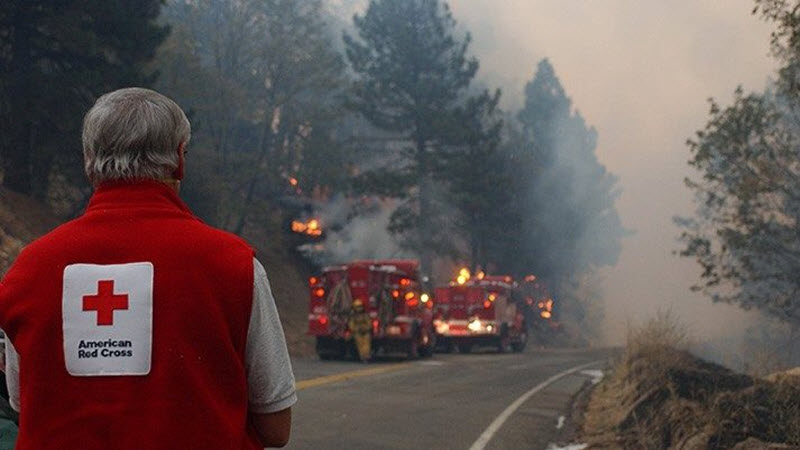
x: 449, y: 347
x: 504, y: 341
x: 328, y: 349
x: 444, y: 345
x: 413, y: 348
x: 413, y: 342
x: 521, y: 343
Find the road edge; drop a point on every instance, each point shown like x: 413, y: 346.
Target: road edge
x: 498, y: 422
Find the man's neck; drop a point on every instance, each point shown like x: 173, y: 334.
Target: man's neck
x: 173, y: 183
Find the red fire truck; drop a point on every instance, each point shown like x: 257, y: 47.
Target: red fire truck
x: 486, y: 311
x: 402, y: 316
x: 542, y: 315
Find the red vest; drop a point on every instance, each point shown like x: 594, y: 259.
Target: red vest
x: 195, y: 394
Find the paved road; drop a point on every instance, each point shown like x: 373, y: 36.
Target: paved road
x: 446, y: 402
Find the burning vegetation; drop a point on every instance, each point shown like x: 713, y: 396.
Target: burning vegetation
x: 310, y: 227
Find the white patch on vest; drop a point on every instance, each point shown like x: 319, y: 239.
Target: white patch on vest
x: 107, y: 316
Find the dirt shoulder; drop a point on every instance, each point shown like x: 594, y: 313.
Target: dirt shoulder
x: 660, y: 397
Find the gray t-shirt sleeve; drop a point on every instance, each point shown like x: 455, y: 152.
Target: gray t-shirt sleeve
x: 12, y: 374
x: 270, y: 379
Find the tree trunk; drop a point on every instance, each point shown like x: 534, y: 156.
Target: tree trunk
x: 265, y: 145
x: 474, y: 257
x: 424, y: 231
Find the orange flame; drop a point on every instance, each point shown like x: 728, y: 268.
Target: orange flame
x: 310, y: 228
x: 463, y: 276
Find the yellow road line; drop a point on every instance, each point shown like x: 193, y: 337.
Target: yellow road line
x: 319, y: 381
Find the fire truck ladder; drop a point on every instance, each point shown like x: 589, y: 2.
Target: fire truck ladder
x: 339, y: 303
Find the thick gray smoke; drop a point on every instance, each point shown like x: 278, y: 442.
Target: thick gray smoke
x: 641, y: 73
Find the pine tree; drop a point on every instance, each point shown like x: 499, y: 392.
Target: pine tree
x: 569, y: 222
x: 56, y: 58
x: 480, y: 183
x: 412, y: 73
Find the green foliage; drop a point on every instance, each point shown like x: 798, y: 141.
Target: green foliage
x: 56, y: 57
x: 785, y: 40
x: 744, y: 234
x: 412, y: 76
x: 480, y: 182
x: 262, y: 89
x: 412, y: 70
x: 569, y: 224
x: 546, y: 109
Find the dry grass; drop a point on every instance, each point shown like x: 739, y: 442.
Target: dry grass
x: 660, y: 396
x: 662, y: 332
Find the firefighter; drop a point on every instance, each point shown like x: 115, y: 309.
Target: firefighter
x: 360, y: 325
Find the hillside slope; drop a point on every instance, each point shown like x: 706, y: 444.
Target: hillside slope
x: 288, y: 275
x: 21, y: 221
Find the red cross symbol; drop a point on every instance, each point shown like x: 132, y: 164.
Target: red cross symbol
x: 105, y: 302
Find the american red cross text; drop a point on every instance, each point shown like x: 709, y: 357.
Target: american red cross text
x: 105, y: 302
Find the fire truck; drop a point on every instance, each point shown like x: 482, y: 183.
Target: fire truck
x: 541, y: 314
x: 401, y: 313
x: 487, y: 311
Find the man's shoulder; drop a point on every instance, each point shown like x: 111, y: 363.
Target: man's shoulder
x: 221, y: 236
x: 70, y: 233
x: 47, y: 240
x: 39, y: 250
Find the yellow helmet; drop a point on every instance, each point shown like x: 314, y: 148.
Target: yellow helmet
x: 358, y: 304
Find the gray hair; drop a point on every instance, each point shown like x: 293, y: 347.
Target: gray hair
x: 133, y: 133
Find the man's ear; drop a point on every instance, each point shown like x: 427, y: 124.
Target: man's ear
x: 178, y: 173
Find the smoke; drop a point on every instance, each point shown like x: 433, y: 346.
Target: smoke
x: 641, y: 73
x: 354, y: 229
x: 341, y: 13
x: 761, y: 347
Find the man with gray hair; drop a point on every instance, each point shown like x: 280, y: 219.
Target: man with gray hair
x: 136, y: 325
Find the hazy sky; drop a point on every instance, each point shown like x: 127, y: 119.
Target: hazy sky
x: 640, y: 71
